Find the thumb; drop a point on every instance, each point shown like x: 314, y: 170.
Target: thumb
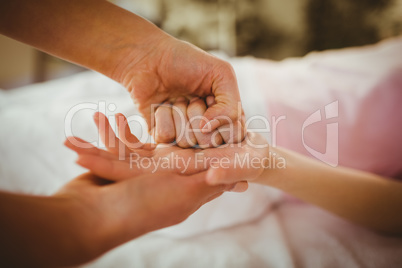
x: 227, y: 106
x: 220, y: 114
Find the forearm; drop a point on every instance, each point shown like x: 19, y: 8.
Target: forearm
x: 45, y: 232
x: 93, y: 33
x: 364, y: 198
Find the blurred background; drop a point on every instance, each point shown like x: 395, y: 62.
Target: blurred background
x: 272, y: 29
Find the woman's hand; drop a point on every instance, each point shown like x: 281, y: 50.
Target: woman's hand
x: 127, y: 157
x: 126, y: 209
x: 90, y: 216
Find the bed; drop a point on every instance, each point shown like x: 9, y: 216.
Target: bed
x: 262, y: 227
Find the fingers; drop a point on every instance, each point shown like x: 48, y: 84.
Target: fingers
x: 226, y: 93
x: 202, y: 190
x: 210, y: 100
x: 100, y: 162
x: 108, y: 165
x: 184, y: 135
x: 125, y: 134
x: 128, y: 138
x: 195, y: 111
x: 114, y: 170
x: 240, y: 187
x: 81, y: 146
x: 186, y: 120
x: 182, y: 120
x: 233, y: 173
x: 231, y: 131
x: 108, y: 137
x: 164, y: 125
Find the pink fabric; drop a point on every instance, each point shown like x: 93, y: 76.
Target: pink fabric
x: 358, y: 93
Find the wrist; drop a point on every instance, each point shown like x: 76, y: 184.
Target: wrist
x: 37, y: 225
x: 90, y: 229
x: 138, y: 50
x: 77, y: 231
x: 81, y: 231
x: 277, y: 164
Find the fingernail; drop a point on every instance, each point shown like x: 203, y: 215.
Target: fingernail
x: 210, y: 100
x: 210, y: 126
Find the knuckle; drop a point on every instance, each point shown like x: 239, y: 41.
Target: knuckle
x: 226, y: 68
x: 164, y: 135
x: 197, y: 106
x: 181, y: 105
x: 183, y: 143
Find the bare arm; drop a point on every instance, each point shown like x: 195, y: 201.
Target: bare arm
x: 364, y: 198
x: 40, y: 231
x: 90, y: 216
x: 361, y: 197
x: 92, y: 33
x: 152, y: 65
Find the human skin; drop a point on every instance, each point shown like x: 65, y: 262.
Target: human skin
x: 125, y: 155
x: 152, y: 65
x: 363, y: 198
x: 90, y: 216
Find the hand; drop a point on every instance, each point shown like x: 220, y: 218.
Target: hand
x: 109, y: 214
x: 154, y: 66
x: 184, y: 123
x: 173, y: 68
x: 90, y: 216
x: 128, y: 157
x: 179, y: 122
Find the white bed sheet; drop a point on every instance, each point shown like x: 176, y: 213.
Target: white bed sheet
x: 255, y: 229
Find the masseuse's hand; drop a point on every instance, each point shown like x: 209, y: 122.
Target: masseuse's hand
x: 154, y: 66
x: 173, y: 68
x: 107, y: 214
x: 90, y: 216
